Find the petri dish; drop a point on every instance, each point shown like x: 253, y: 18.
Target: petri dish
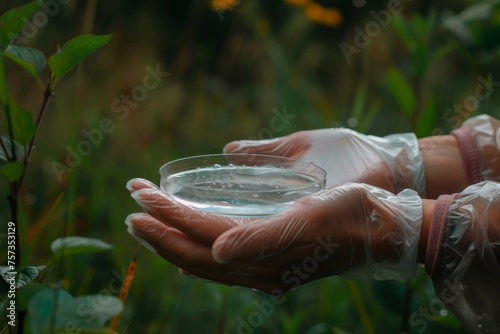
x: 242, y: 185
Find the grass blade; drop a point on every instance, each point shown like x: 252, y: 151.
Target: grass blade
x: 358, y: 302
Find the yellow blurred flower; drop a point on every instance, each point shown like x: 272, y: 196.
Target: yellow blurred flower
x: 328, y: 16
x: 222, y: 5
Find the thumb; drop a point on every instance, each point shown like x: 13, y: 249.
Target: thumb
x: 262, y: 238
x: 291, y: 146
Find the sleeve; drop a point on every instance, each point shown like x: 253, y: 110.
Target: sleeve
x: 479, y: 142
x: 463, y: 253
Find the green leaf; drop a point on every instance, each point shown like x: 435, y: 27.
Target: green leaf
x: 427, y: 119
x: 26, y: 293
x: 421, y: 59
x: 88, y: 313
x: 41, y: 308
x: 73, y: 52
x: 7, y: 143
x: 405, y: 31
x: 402, y: 91
x: 76, y: 245
x: 12, y: 171
x: 31, y: 60
x: 359, y: 101
x: 99, y: 308
x: 27, y: 274
x: 368, y: 118
x: 4, y: 272
x: 23, y: 124
x: 12, y: 21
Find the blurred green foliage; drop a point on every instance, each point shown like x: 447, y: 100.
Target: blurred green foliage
x: 228, y: 74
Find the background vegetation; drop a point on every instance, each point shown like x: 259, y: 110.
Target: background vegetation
x: 230, y: 71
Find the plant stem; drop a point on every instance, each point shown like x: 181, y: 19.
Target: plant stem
x: 47, y: 94
x: 405, y: 313
x: 4, y: 98
x: 14, y: 196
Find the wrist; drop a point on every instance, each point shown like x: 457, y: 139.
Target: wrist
x: 427, y: 213
x: 444, y: 167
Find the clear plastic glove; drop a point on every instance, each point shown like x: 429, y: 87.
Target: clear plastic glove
x: 463, y: 255
x: 354, y: 230
x: 393, y: 162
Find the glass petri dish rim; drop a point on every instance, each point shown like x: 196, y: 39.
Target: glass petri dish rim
x: 183, y: 164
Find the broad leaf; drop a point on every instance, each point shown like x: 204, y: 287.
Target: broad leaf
x: 23, y: 124
x: 76, y: 245
x: 27, y: 274
x: 12, y: 171
x: 24, y: 276
x: 5, y: 272
x: 100, y: 308
x: 7, y: 143
x: 88, y: 314
x: 31, y: 60
x: 73, y: 52
x: 41, y: 307
x: 401, y: 90
x: 12, y: 21
x: 26, y: 293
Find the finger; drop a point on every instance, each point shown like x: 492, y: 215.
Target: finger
x: 291, y: 146
x: 263, y: 238
x: 378, y: 175
x: 186, y: 253
x: 137, y: 183
x: 167, y: 241
x: 201, y: 226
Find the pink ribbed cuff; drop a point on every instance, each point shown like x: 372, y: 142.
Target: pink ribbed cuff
x: 437, y: 232
x: 470, y: 154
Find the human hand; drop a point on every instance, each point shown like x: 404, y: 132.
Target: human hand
x: 354, y: 230
x: 392, y: 162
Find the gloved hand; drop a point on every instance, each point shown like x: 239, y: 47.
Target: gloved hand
x: 354, y: 230
x: 463, y: 255
x: 393, y: 162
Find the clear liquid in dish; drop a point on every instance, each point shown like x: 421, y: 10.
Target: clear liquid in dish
x: 244, y: 191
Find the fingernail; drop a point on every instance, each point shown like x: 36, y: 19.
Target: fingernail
x: 246, y: 146
x: 128, y: 220
x: 142, y: 221
x: 231, y: 147
x: 242, y: 145
x: 141, y: 239
x: 135, y: 184
x: 217, y: 252
x: 145, y: 196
